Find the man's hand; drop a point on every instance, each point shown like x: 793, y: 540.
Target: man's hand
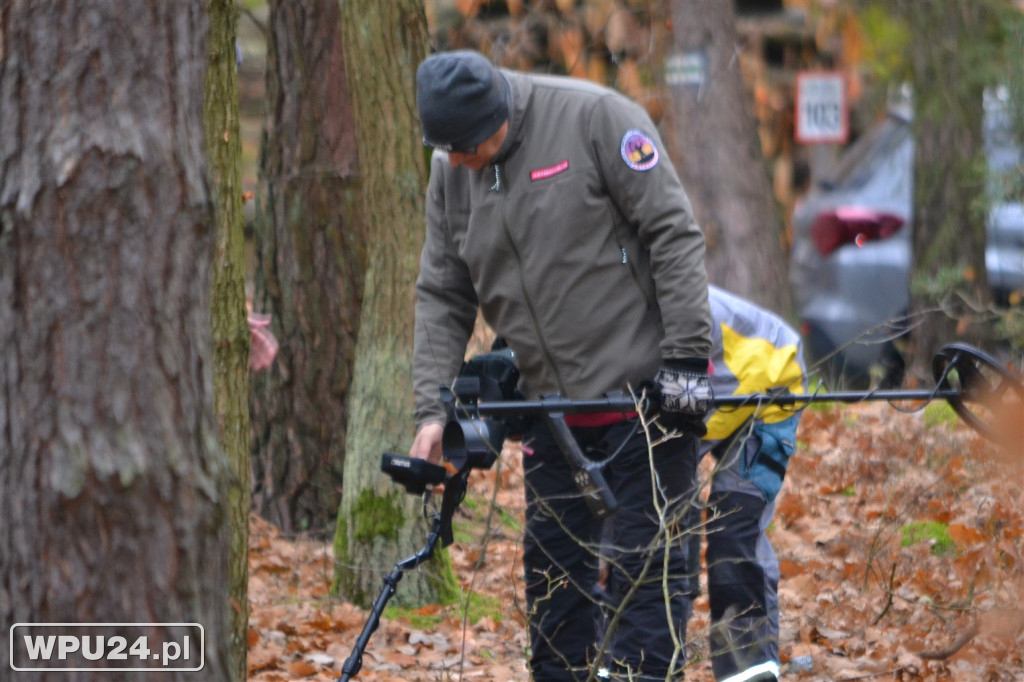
x: 685, y: 395
x: 427, y: 444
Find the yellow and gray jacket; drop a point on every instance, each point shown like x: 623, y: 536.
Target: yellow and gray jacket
x: 754, y: 351
x: 577, y: 244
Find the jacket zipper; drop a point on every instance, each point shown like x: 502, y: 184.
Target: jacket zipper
x: 636, y: 278
x: 497, y: 187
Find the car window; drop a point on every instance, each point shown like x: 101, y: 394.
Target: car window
x: 861, y: 161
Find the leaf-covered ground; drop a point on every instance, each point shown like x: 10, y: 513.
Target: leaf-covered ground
x: 901, y: 546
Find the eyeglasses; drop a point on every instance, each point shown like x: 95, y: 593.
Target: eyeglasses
x: 468, y: 151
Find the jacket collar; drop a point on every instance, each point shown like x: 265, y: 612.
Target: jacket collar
x: 520, y: 89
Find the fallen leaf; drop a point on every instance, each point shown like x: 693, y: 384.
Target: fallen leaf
x: 321, y: 659
x: 302, y: 669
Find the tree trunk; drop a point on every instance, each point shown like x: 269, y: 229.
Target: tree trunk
x: 111, y: 480
x: 712, y: 138
x: 377, y: 521
x: 949, y: 177
x: 228, y: 318
x: 310, y: 268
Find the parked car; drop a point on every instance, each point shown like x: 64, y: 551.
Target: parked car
x: 851, y: 253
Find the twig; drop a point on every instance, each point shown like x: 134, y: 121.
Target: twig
x: 888, y: 595
x: 941, y: 654
x: 894, y: 671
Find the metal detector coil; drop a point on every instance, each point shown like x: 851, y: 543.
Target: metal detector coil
x: 987, y: 395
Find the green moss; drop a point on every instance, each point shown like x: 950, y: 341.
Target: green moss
x: 932, y: 532
x: 470, y: 504
x: 462, y: 532
x: 937, y: 413
x: 477, y: 606
x: 377, y: 515
x: 417, y: 618
x: 447, y: 582
x: 478, y: 509
x: 340, y: 554
x: 471, y: 606
x: 816, y: 385
x: 509, y: 520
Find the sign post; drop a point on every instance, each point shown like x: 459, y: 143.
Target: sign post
x: 822, y: 112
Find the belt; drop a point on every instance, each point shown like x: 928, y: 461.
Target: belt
x: 598, y: 418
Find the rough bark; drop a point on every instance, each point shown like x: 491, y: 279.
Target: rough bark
x: 310, y: 268
x: 379, y: 524
x: 712, y: 137
x: 228, y: 319
x: 111, y: 480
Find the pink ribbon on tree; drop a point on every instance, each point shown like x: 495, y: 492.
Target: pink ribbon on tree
x: 263, y: 345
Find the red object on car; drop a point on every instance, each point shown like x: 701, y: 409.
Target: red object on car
x: 852, y: 225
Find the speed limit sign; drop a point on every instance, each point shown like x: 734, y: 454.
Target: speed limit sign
x: 821, y: 108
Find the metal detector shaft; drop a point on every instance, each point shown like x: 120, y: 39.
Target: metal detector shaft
x: 977, y: 386
x: 355, y: 661
x: 440, y: 531
x: 835, y: 397
x: 626, y: 404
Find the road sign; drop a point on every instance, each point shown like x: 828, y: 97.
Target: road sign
x: 822, y: 113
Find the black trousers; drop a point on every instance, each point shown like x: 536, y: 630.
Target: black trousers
x: 563, y: 542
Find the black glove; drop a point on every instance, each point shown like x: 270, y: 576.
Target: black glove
x: 684, y: 391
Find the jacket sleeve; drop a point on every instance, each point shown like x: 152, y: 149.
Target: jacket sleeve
x: 446, y: 306
x: 648, y: 192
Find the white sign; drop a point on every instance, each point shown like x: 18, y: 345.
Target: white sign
x: 821, y: 108
x: 686, y: 69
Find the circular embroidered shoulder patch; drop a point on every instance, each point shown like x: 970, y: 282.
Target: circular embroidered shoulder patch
x: 638, y: 150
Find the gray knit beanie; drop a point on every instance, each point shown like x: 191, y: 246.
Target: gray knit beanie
x: 462, y: 100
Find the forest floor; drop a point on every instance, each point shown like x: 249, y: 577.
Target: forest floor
x: 901, y: 545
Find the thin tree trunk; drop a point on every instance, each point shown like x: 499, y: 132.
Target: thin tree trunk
x: 712, y: 138
x: 377, y: 521
x: 111, y: 480
x: 949, y: 180
x: 228, y: 314
x: 310, y: 268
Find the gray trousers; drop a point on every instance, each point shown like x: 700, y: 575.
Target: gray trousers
x: 743, y: 571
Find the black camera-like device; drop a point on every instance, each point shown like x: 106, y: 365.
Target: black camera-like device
x: 413, y: 473
x: 470, y: 440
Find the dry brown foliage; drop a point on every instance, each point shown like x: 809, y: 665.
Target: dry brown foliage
x: 853, y: 599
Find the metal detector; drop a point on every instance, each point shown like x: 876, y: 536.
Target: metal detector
x: 982, y: 392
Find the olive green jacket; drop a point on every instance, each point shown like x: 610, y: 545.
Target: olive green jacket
x: 577, y: 244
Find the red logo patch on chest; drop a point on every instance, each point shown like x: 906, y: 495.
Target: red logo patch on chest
x: 543, y: 173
